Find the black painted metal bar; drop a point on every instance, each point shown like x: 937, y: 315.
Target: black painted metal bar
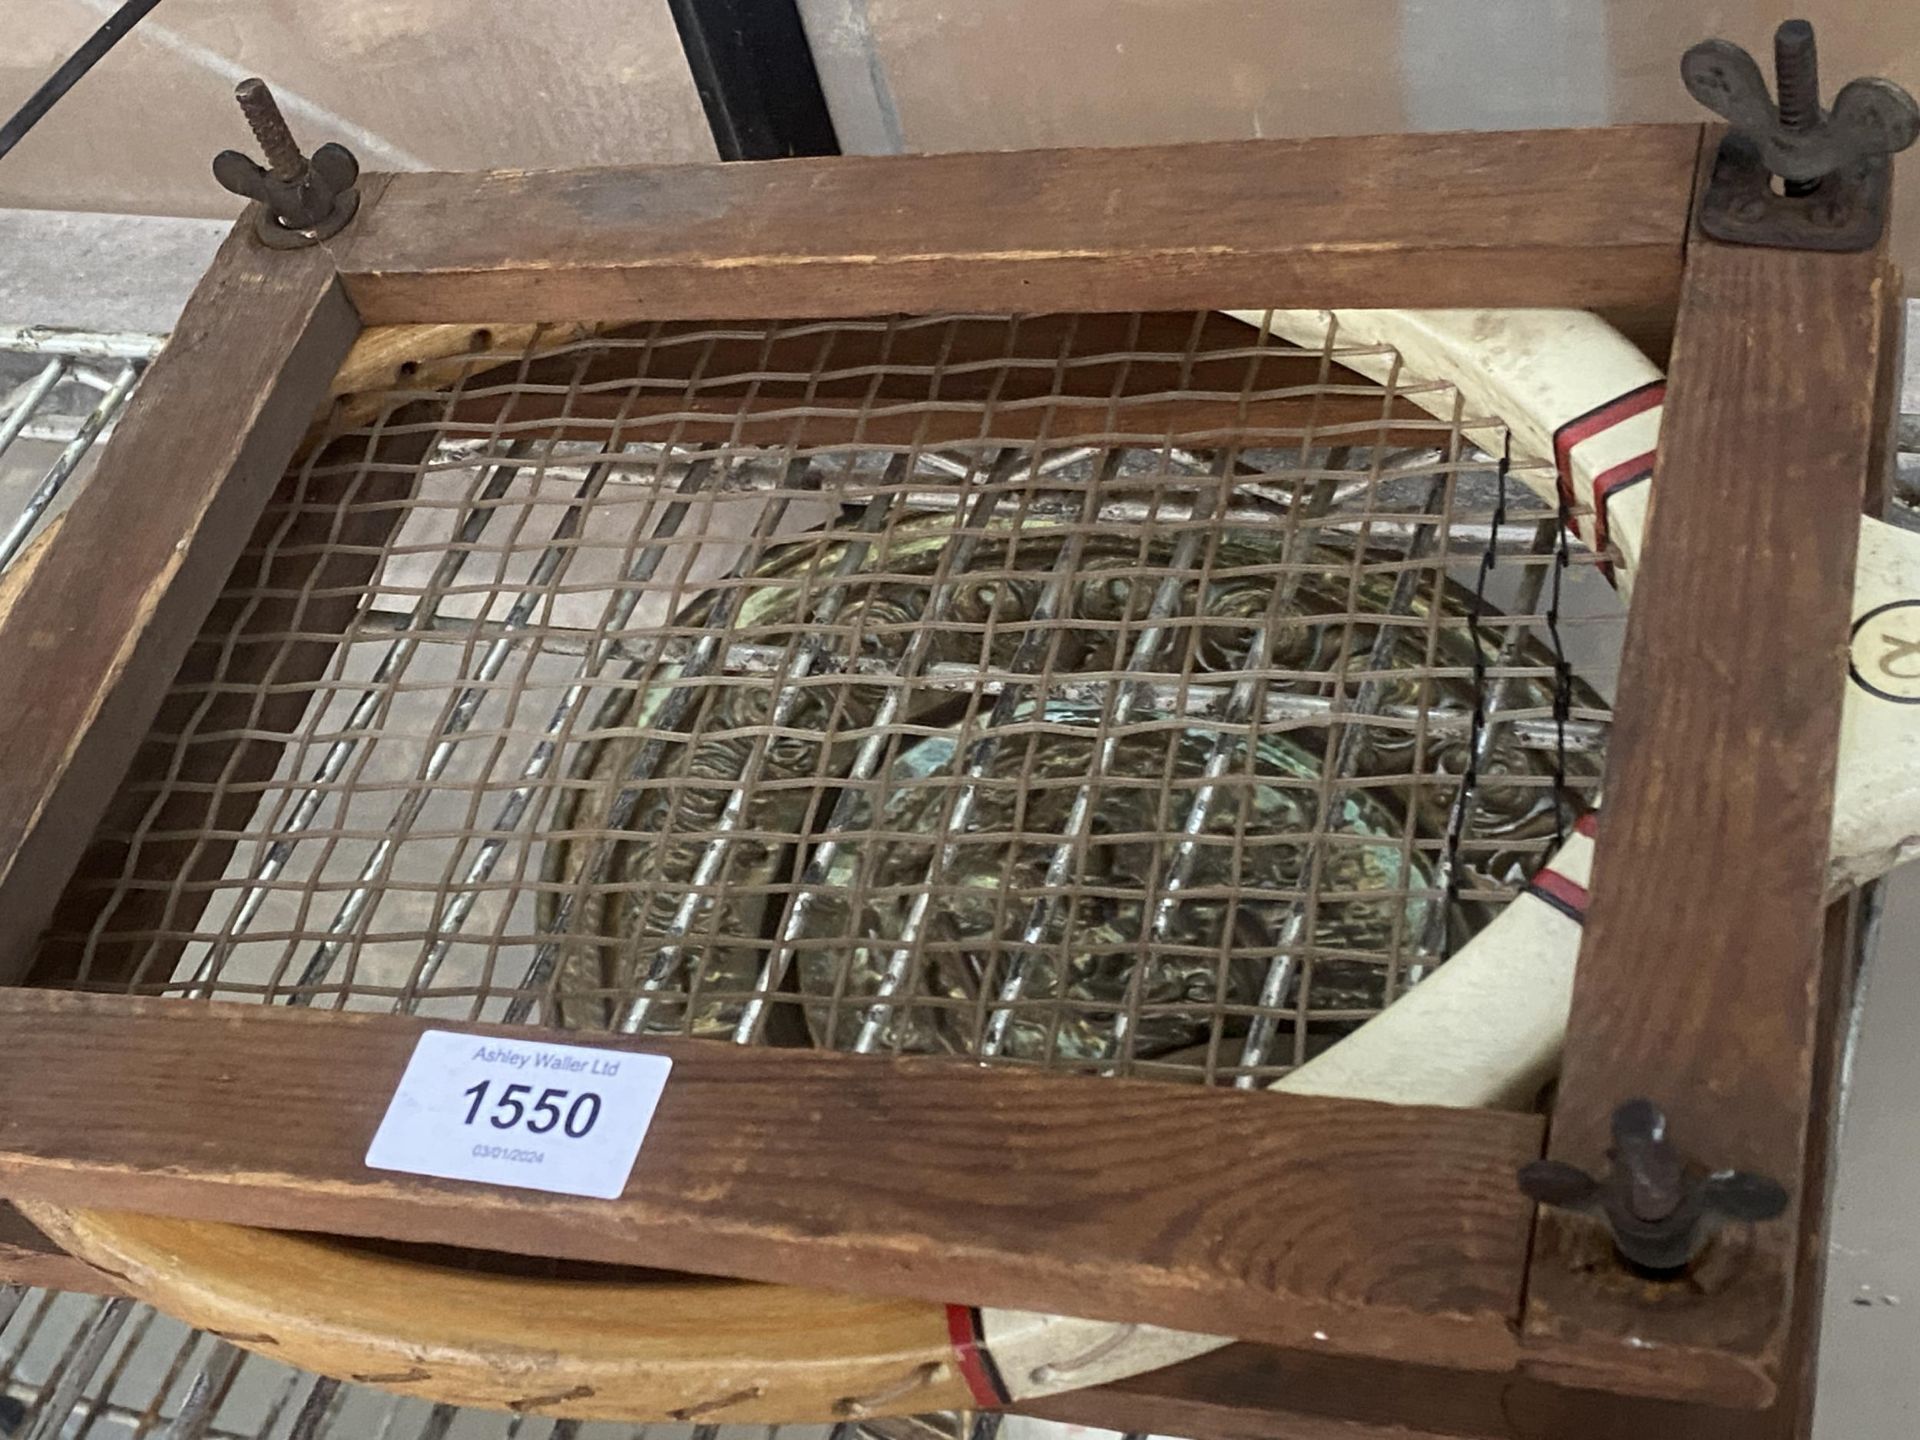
x: 755, y: 73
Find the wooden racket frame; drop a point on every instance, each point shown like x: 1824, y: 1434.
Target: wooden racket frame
x: 1736, y: 1042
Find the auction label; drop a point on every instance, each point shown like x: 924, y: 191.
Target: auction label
x: 564, y: 1118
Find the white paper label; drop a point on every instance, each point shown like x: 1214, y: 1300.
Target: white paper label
x: 563, y: 1118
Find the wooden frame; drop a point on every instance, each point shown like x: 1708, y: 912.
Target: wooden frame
x: 1428, y: 1270
x: 1728, y: 692
x: 1773, y: 353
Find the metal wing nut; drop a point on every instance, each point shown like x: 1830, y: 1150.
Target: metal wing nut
x: 1660, y: 1210
x: 1870, y: 117
x: 303, y: 199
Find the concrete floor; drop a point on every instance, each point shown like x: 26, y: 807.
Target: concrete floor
x: 136, y: 276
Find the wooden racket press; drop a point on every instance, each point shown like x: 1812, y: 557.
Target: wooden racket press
x: 1407, y: 1285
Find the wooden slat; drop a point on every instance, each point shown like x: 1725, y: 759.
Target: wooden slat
x: 1888, y: 387
x: 1590, y: 218
x: 29, y: 1258
x: 101, y: 621
x: 1257, y: 1392
x: 1340, y: 1225
x: 1793, y: 1412
x: 1700, y: 975
x: 1840, y: 978
x: 1792, y: 1415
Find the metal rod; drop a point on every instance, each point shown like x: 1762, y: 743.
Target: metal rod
x: 51, y: 1415
x: 1533, y: 579
x: 72, y: 70
x: 92, y: 379
x: 338, y: 755
x: 666, y: 722
x: 465, y: 706
x: 80, y: 344
x: 866, y: 761
x: 1232, y: 714
x: 1234, y: 710
x: 1127, y: 512
x: 27, y: 1336
x: 63, y: 466
x: 813, y: 649
x: 277, y: 1406
x: 1264, y: 1025
x: 205, y: 1392
x: 27, y: 398
x: 520, y: 800
x: 316, y: 1410
x: 308, y: 801
x: 1045, y: 907
x: 148, y: 1417
x: 959, y: 467
x: 1196, y: 698
x: 1051, y: 603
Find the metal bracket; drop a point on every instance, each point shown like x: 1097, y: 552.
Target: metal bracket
x: 1662, y: 1211
x: 1832, y: 166
x: 302, y: 201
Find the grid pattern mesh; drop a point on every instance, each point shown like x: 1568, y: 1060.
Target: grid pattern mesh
x: 1093, y: 692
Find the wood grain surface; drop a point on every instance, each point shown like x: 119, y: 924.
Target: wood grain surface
x: 104, y: 618
x: 1356, y: 1227
x: 1255, y: 1392
x: 1701, y: 974
x: 1792, y: 1412
x: 1258, y: 1392
x: 1590, y: 218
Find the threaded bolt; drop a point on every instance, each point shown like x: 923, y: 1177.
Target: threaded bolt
x: 269, y: 127
x: 1796, y: 78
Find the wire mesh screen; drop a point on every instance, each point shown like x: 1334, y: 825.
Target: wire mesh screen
x: 1126, y: 694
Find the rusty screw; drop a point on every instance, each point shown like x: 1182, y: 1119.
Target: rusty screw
x: 1655, y: 1176
x: 1796, y: 81
x: 269, y: 127
x: 302, y: 201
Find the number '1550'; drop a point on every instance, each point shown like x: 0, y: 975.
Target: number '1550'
x: 542, y: 1116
